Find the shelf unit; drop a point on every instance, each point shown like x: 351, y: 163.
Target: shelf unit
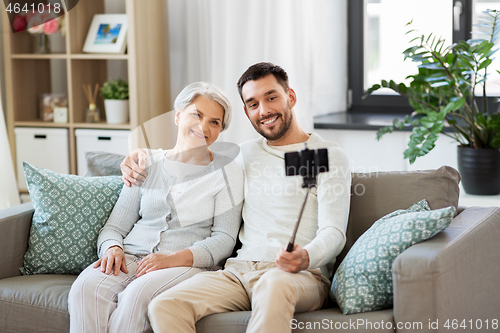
x: 28, y: 75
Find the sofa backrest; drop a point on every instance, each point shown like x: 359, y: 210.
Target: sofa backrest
x: 376, y: 194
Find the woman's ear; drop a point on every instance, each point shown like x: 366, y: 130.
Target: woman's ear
x: 177, y: 116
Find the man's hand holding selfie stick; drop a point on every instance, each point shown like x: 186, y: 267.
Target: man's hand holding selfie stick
x: 308, y: 164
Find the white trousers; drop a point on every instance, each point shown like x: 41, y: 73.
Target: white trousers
x: 101, y: 303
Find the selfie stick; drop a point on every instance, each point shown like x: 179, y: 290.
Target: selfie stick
x: 289, y: 247
x: 308, y: 164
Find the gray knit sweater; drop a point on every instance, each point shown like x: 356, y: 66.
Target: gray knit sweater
x: 204, y: 218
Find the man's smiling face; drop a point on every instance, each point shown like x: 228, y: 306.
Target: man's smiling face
x: 268, y: 106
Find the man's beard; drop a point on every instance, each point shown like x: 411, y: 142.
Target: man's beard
x: 285, y: 126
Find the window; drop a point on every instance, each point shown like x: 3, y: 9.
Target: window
x: 377, y: 38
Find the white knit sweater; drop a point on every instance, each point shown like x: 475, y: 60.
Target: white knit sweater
x: 204, y: 218
x: 273, y: 202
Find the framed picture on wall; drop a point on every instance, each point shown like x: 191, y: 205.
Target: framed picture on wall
x: 107, y: 34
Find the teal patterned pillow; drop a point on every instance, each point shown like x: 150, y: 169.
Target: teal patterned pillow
x: 69, y: 213
x: 363, y: 281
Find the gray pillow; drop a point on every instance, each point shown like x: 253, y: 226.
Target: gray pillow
x: 100, y: 164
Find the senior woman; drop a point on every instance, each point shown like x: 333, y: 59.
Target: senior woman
x: 183, y: 220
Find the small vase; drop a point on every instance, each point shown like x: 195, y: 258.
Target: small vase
x: 92, y: 114
x: 42, y: 44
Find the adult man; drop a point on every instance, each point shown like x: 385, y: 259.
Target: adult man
x: 264, y: 277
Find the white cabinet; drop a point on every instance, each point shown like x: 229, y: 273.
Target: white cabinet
x: 42, y: 147
x: 366, y: 154
x: 109, y: 141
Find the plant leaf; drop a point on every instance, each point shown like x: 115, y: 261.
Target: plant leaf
x: 384, y: 130
x: 484, y: 64
x: 440, y: 84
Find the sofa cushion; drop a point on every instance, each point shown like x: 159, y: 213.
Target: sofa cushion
x: 99, y: 163
x: 363, y: 281
x: 69, y: 212
x: 40, y: 300
x: 376, y: 194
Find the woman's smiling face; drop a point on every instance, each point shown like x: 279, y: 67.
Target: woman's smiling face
x: 200, y: 122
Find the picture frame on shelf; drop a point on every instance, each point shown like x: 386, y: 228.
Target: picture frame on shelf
x: 61, y: 115
x: 49, y: 102
x: 107, y: 34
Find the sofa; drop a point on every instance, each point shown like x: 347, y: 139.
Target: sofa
x: 444, y: 283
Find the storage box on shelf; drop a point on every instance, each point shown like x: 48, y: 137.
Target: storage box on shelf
x: 110, y: 141
x: 43, y: 147
x: 144, y: 66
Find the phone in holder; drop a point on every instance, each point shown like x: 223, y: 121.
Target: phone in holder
x: 308, y: 163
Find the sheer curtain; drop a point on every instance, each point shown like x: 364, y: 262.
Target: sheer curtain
x: 217, y: 40
x: 8, y: 190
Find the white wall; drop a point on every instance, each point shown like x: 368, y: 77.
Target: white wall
x: 369, y: 155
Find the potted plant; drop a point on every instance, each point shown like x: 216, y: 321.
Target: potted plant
x: 115, y: 94
x: 442, y: 94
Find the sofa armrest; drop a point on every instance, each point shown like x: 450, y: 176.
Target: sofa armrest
x: 453, y: 276
x: 15, y: 223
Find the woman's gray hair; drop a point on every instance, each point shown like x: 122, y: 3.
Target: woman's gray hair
x: 194, y: 90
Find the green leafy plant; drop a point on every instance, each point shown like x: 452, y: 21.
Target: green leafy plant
x: 442, y: 92
x: 114, y: 89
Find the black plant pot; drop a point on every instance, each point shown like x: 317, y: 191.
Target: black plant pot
x: 480, y: 170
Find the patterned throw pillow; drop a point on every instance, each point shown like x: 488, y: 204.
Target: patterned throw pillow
x: 69, y: 213
x: 363, y: 281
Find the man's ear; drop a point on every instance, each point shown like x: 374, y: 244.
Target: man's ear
x: 246, y: 111
x: 293, y: 97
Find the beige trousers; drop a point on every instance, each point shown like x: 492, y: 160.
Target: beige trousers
x: 273, y: 296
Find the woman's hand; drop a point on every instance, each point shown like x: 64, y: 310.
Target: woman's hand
x: 156, y: 261
x: 152, y: 262
x: 133, y: 167
x: 114, y: 256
